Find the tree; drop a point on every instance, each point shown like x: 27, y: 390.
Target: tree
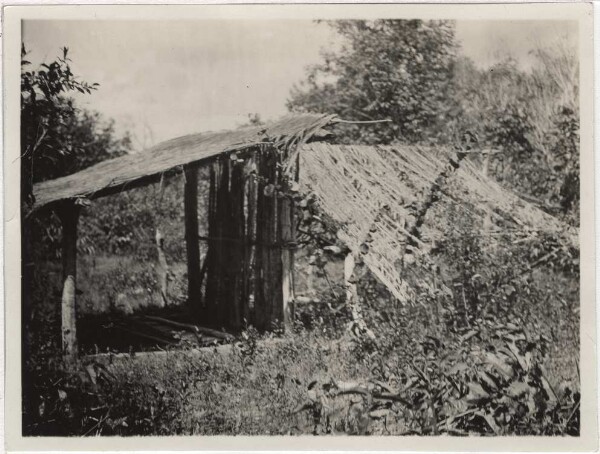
x: 45, y: 111
x: 532, y: 118
x: 58, y: 139
x: 385, y: 69
x: 92, y: 139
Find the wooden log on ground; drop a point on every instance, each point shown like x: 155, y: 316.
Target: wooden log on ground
x: 192, y: 328
x: 191, y: 239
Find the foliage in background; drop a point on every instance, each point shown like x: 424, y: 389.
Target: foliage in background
x: 411, y: 72
x: 57, y: 138
x: 46, y: 109
x: 385, y: 69
x: 531, y: 118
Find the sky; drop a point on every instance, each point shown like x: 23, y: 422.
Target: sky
x: 163, y: 79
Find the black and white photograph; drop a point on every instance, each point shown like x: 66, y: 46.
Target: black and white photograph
x: 323, y: 225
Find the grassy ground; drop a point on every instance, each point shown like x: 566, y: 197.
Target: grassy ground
x: 246, y: 390
x: 259, y: 386
x: 271, y: 384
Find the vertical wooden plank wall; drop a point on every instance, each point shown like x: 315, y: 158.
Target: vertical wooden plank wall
x: 249, y: 262
x: 212, y: 271
x: 272, y: 248
x: 190, y: 200
x: 227, y: 287
x: 269, y: 285
x: 219, y: 241
x: 250, y: 210
x: 236, y: 249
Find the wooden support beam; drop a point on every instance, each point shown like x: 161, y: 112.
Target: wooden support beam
x: 349, y: 282
x: 69, y: 216
x: 359, y: 327
x: 190, y: 200
x: 162, y: 269
x: 250, y: 271
x: 212, y: 269
x: 236, y: 250
x: 222, y: 298
x: 286, y: 220
x: 268, y: 296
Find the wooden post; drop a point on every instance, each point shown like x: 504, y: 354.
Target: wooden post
x: 260, y: 233
x: 69, y: 215
x: 359, y: 327
x: 286, y: 220
x: 349, y: 283
x: 268, y: 303
x: 487, y: 220
x: 237, y: 257
x: 190, y: 200
x: 251, y: 249
x: 221, y: 276
x: 162, y: 269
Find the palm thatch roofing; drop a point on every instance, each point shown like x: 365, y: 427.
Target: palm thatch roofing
x: 375, y: 193
x: 146, y: 167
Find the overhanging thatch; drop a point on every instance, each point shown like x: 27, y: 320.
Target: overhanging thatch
x: 138, y: 169
x: 376, y: 192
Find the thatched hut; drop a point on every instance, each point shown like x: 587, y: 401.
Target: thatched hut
x: 379, y: 196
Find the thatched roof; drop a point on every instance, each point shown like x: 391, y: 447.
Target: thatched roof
x: 138, y: 169
x: 373, y: 192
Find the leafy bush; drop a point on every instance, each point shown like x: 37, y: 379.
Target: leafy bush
x: 481, y: 349
x: 455, y: 388
x: 385, y: 69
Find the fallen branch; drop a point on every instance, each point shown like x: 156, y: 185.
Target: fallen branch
x: 572, y: 414
x: 98, y: 424
x: 192, y: 328
x: 393, y: 397
x: 350, y: 388
x: 361, y: 122
x: 383, y: 385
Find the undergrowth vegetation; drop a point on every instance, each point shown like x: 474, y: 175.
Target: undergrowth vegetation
x: 487, y: 362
